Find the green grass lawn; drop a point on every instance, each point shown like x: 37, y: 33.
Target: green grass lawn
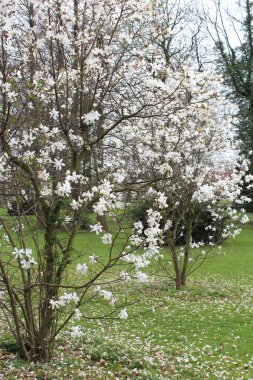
x: 202, y: 332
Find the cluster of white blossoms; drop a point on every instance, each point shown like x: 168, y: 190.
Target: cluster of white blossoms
x: 106, y: 294
x: 103, y: 193
x: 149, y: 239
x: 205, y: 193
x: 64, y: 189
x: 24, y: 256
x: 153, y: 233
x: 91, y: 117
x: 107, y: 238
x: 64, y: 300
x: 107, y: 198
x: 159, y: 198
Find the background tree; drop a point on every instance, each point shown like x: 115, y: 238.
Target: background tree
x: 192, y: 166
x: 231, y: 30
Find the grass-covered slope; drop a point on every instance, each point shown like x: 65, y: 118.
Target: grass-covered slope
x: 202, y: 332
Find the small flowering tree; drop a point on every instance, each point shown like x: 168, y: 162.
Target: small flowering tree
x: 193, y: 167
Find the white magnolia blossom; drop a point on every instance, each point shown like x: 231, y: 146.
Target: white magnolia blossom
x: 93, y: 259
x: 123, y: 314
x: 139, y: 227
x: 58, y: 163
x: 91, y: 117
x: 78, y: 314
x: 97, y: 228
x: 82, y: 268
x: 64, y: 189
x: 107, y: 238
x: 108, y: 296
x: 244, y: 219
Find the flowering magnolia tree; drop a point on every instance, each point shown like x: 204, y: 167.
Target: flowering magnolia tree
x: 87, y: 121
x: 72, y: 75
x: 194, y: 171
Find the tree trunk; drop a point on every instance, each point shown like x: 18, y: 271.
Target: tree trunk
x: 102, y: 220
x: 47, y: 313
x: 42, y: 350
x: 175, y: 261
x: 186, y: 251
